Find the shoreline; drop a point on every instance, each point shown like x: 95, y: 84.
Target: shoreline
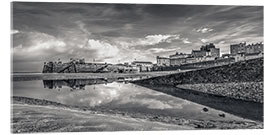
x: 54, y: 119
x: 227, y: 104
x: 182, y: 123
x: 65, y: 76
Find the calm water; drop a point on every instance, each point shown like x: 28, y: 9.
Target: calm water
x: 116, y: 96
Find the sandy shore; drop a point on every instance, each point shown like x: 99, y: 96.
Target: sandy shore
x: 34, y: 115
x: 36, y: 118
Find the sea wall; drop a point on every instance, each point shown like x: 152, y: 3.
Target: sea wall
x: 241, y: 80
x: 250, y: 91
x: 206, y: 64
x: 198, y: 65
x: 88, y: 67
x: 244, y: 71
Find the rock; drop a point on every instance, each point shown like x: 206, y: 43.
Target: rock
x: 221, y: 115
x: 205, y: 109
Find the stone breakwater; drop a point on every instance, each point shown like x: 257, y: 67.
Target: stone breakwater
x: 245, y: 71
x: 240, y: 80
x: 250, y: 91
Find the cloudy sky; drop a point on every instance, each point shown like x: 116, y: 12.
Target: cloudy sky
x: 115, y: 33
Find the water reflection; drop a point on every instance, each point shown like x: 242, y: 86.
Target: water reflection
x: 125, y: 97
x: 246, y: 109
x: 74, y: 84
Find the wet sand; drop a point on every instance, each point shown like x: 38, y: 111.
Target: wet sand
x: 35, y: 118
x: 34, y: 115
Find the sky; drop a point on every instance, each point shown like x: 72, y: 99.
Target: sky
x: 118, y: 33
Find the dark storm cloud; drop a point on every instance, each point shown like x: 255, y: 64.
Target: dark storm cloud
x: 108, y: 32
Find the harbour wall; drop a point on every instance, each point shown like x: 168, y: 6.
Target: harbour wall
x: 244, y: 71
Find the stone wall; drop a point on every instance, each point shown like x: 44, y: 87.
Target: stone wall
x: 197, y: 65
x: 241, y: 80
x: 206, y: 64
x: 244, y: 71
x: 250, y: 91
x: 71, y: 67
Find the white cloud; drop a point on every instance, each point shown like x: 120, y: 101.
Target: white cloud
x: 102, y: 48
x: 204, y: 30
x: 40, y: 42
x: 42, y: 45
x: 154, y: 39
x: 186, y: 41
x: 204, y: 40
x: 221, y: 42
x: 159, y: 50
x: 148, y: 40
x: 157, y: 104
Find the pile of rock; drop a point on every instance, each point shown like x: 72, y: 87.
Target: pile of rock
x: 245, y: 71
x: 250, y: 91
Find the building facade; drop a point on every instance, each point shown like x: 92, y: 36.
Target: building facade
x: 247, y: 56
x: 179, y: 55
x: 198, y: 53
x: 206, y: 53
x: 177, y: 61
x: 163, y: 61
x: 244, y: 48
x: 144, y: 66
x: 214, y: 52
x: 206, y: 50
x: 242, y: 51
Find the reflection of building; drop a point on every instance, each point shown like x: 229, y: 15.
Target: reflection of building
x: 144, y: 66
x: 72, y: 83
x: 163, y: 61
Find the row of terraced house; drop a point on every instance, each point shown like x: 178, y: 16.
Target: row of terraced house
x: 238, y: 52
